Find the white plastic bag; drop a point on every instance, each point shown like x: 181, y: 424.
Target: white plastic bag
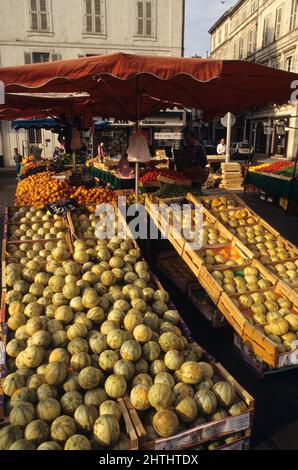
x: 138, y: 149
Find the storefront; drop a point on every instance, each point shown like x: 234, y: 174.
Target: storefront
x: 164, y: 130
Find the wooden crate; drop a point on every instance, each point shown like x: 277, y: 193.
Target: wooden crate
x: 3, y: 306
x: 208, y: 431
x: 233, y: 315
x: 258, y: 342
x: 8, y: 210
x: 181, y: 275
x: 2, y: 415
x: 206, y: 200
x: 3, y: 342
x: 6, y: 245
x: 18, y: 241
x: 230, y: 166
x: 134, y: 441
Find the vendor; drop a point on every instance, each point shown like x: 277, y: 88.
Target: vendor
x: 222, y: 148
x: 194, y: 160
x: 18, y: 160
x: 102, y: 152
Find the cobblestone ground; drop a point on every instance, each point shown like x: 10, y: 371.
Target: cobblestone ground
x: 276, y: 396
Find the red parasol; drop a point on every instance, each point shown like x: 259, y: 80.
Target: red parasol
x: 124, y: 85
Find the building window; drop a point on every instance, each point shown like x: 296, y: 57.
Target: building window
x: 253, y: 6
x: 37, y: 57
x: 94, y: 16
x: 219, y: 36
x: 241, y: 47
x: 266, y: 31
x: 145, y: 18
x: 275, y: 63
x: 293, y: 14
x: 39, y: 15
x: 236, y: 22
x: 34, y: 136
x: 214, y: 40
x: 289, y: 63
x: 278, y: 23
x: 251, y: 42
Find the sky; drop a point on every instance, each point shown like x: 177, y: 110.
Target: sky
x: 200, y: 16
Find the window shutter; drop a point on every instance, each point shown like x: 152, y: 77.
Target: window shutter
x: 33, y: 5
x: 89, y: 24
x: 34, y: 21
x: 140, y: 10
x: 98, y: 24
x: 28, y: 59
x: 148, y: 27
x: 148, y: 10
x: 43, y: 21
x: 140, y: 27
x: 88, y: 16
x: 43, y: 6
x: 56, y: 57
x: 140, y: 19
x: 97, y: 8
x: 38, y: 136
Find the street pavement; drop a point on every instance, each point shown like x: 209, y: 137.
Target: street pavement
x: 276, y: 396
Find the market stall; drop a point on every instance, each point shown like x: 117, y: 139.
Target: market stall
x: 276, y: 179
x: 112, y: 178
x: 94, y: 347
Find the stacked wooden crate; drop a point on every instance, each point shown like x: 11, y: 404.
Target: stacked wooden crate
x: 231, y: 176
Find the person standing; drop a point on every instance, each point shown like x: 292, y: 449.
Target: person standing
x: 18, y: 160
x: 222, y: 148
x: 194, y: 160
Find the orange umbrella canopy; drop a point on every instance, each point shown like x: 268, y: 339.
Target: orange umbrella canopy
x: 132, y: 87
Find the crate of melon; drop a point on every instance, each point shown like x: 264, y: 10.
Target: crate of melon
x: 212, y: 416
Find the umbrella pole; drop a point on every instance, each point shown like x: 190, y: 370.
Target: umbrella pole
x: 74, y: 162
x: 229, y: 136
x: 137, y: 182
x: 137, y: 171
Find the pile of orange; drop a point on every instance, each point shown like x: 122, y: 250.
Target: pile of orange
x: 41, y: 189
x: 29, y: 159
x: 86, y: 196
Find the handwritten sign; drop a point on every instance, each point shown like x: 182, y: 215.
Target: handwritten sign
x: 59, y: 208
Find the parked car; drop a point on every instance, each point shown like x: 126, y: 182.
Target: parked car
x: 242, y: 151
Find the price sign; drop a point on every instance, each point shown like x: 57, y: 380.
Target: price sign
x: 59, y: 208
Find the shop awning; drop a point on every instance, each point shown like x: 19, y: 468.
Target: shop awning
x: 47, y: 123
x: 101, y: 125
x: 133, y: 87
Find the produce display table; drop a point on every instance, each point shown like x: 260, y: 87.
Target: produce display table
x: 274, y: 185
x: 224, y: 430
x: 232, y: 247
x: 109, y: 178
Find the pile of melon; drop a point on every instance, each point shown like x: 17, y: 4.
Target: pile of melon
x: 84, y: 224
x: 87, y: 329
x: 30, y: 214
x: 274, y: 314
x: 35, y: 224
